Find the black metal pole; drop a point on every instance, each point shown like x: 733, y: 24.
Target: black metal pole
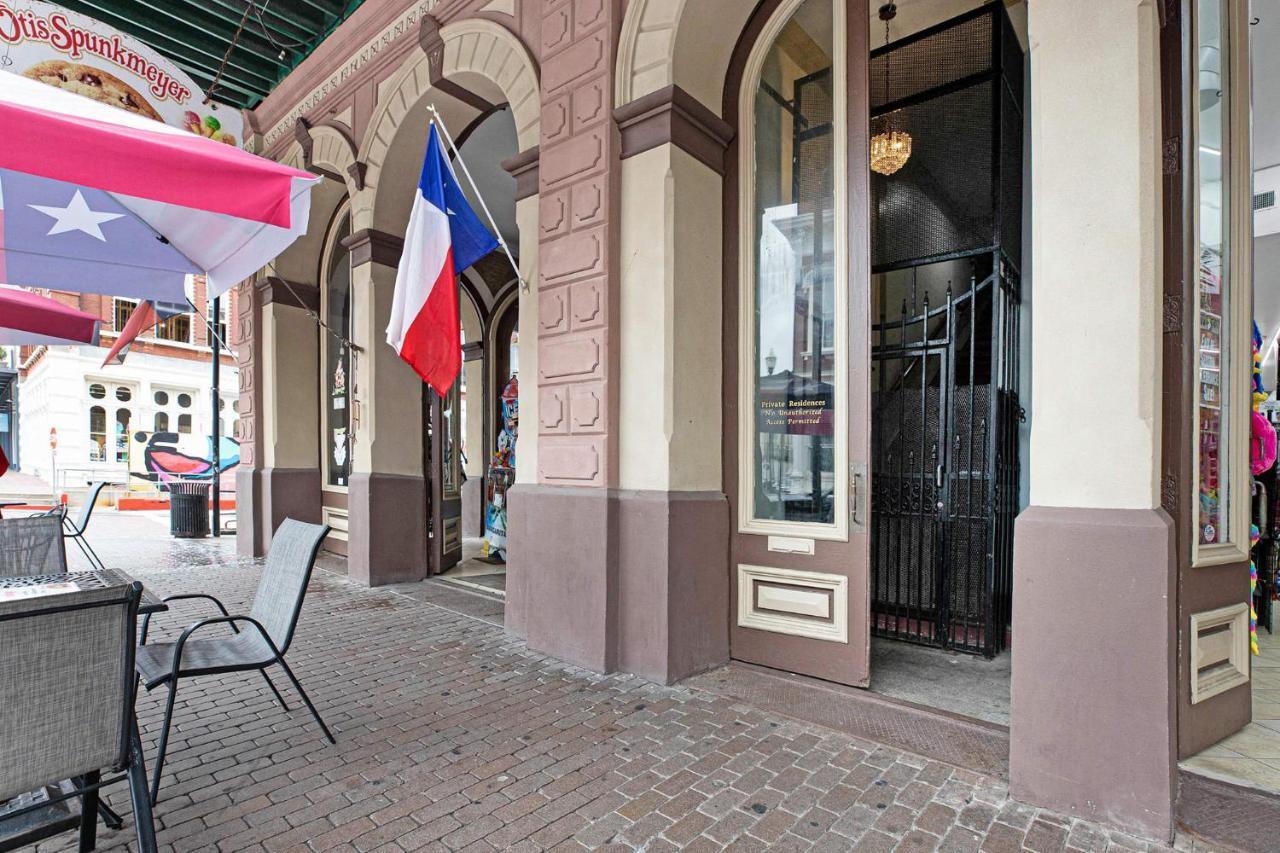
x: 215, y: 340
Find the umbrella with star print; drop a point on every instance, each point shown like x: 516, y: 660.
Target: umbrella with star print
x: 99, y: 200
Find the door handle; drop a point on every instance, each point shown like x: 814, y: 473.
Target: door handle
x: 857, y: 488
x: 937, y: 476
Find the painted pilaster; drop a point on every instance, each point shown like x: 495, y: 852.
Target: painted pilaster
x: 1093, y: 594
x: 567, y: 602
x: 248, y: 344
x: 387, y: 503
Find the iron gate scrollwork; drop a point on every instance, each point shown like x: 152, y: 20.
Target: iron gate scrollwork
x: 945, y: 463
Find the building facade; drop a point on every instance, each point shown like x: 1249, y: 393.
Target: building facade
x: 709, y: 339
x: 102, y: 418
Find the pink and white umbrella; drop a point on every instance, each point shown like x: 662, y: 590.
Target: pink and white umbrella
x: 99, y: 200
x: 29, y: 318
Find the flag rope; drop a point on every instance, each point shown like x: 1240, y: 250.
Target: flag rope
x: 457, y: 155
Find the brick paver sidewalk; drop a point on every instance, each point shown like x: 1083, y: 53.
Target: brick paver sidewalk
x: 453, y: 736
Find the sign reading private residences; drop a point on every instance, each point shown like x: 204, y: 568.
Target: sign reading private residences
x: 74, y: 52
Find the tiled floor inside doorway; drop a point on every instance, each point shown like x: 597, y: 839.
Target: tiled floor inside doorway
x: 1251, y: 756
x: 475, y: 573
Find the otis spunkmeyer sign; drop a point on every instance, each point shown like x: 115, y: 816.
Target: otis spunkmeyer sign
x: 74, y: 52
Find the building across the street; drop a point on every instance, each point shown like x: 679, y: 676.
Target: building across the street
x: 83, y: 421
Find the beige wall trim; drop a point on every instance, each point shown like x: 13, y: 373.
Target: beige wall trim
x: 671, y: 114
x: 369, y: 245
x: 292, y: 294
x: 524, y: 168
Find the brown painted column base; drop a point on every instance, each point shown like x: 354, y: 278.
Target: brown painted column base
x: 1093, y: 728
x: 266, y: 497
x: 631, y: 581
x: 386, y: 528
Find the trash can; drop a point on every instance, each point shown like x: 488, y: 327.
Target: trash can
x: 189, y: 510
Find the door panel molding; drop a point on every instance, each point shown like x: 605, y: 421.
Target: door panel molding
x: 791, y: 601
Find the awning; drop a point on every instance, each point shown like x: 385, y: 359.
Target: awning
x: 93, y: 197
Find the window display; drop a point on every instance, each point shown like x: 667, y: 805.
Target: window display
x: 1213, y: 272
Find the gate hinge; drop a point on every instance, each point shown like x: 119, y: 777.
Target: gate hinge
x: 1169, y: 493
x: 1172, y: 155
x: 1172, y: 313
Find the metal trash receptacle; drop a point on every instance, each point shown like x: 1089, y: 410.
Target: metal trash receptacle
x: 189, y: 510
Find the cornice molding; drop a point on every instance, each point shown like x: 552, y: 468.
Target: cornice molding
x: 524, y: 168
x: 293, y: 294
x: 672, y: 115
x: 370, y: 245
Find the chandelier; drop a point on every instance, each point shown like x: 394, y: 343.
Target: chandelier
x: 890, y: 149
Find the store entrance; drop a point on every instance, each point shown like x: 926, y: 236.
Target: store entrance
x: 901, y: 313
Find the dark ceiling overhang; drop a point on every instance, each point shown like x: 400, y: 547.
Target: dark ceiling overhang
x: 270, y: 37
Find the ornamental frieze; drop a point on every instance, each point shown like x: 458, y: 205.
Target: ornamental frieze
x: 406, y: 24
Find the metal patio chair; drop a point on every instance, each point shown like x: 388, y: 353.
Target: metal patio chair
x: 268, y: 631
x: 66, y: 705
x: 32, y: 546
x: 75, y: 530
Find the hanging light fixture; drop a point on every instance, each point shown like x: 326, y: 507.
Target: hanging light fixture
x: 891, y: 148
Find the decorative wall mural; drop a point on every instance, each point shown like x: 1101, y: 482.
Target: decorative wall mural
x: 162, y: 457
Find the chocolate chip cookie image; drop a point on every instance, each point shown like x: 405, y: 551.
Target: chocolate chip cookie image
x: 92, y: 83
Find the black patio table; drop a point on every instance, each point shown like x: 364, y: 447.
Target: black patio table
x: 9, y: 504
x: 59, y: 817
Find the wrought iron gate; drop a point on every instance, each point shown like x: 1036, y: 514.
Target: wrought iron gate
x: 944, y: 492
x: 945, y: 409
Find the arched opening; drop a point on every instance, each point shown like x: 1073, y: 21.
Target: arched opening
x: 457, y: 427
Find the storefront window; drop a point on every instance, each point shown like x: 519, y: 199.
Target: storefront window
x: 97, y: 434
x: 122, y: 435
x: 1215, y: 400
x: 796, y: 285
x: 336, y: 383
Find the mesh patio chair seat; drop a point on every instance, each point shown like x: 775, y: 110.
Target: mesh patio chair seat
x: 66, y: 690
x: 32, y: 546
x: 258, y: 640
x: 241, y: 651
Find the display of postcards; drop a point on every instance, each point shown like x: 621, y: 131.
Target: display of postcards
x: 1209, y: 394
x: 1210, y: 360
x: 1211, y: 323
x: 1210, y: 377
x: 1209, y: 341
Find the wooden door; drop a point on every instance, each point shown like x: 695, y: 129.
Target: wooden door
x: 797, y: 351
x: 444, y: 437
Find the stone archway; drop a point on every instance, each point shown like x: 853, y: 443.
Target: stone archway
x: 476, y: 47
x: 687, y: 43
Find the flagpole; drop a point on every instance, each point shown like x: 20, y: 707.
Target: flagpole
x: 457, y: 155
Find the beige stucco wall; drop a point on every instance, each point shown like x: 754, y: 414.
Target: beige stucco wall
x: 1096, y: 236
x: 388, y: 437
x: 290, y: 393
x: 670, y: 323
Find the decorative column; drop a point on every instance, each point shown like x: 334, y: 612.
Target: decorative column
x: 277, y: 347
x: 386, y: 495
x: 288, y: 432
x: 563, y: 528
x: 1093, y: 711
x: 248, y: 337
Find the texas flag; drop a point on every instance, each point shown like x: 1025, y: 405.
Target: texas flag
x: 444, y: 238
